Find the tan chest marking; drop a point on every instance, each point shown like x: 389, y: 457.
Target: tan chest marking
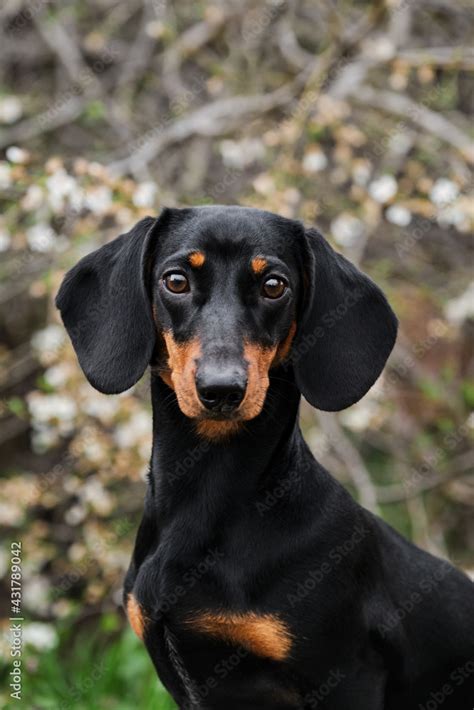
x: 262, y: 634
x: 136, y: 617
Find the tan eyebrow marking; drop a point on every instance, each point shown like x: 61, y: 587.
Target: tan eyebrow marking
x: 196, y: 259
x: 259, y: 264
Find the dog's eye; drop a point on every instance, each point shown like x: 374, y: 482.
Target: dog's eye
x: 274, y: 287
x: 176, y: 282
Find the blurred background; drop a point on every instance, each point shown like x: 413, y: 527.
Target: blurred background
x: 354, y: 116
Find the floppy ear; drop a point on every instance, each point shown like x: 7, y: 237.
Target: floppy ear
x: 106, y: 310
x: 346, y: 332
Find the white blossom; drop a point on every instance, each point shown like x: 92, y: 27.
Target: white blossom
x: 144, y: 195
x: 5, y: 175
x: 380, y: 48
x: 60, y: 186
x: 94, y: 493
x: 347, y: 230
x: 461, y: 308
x: 45, y: 408
x: 96, y: 405
x: 443, y: 192
x: 99, y: 199
x: 314, y: 161
x: 130, y: 433
x: 75, y: 514
x: 57, y: 375
x: 48, y: 339
x: 361, y: 172
x: 36, y: 594
x: 396, y: 214
x: 17, y: 155
x: 10, y: 109
x: 11, y: 513
x: 264, y: 184
x: 40, y: 238
x: 33, y: 198
x: 44, y: 438
x: 5, y: 240
x: 383, y: 188
x: 41, y: 636
x: 240, y: 154
x: 359, y: 416
x: 451, y: 215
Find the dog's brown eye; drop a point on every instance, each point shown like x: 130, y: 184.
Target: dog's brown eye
x: 274, y: 287
x: 176, y: 282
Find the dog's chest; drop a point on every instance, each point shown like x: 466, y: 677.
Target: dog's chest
x: 213, y: 597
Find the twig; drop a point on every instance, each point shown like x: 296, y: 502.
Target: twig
x: 356, y: 468
x: 65, y: 113
x: 291, y: 50
x: 427, y: 120
x: 187, y: 44
x: 459, y: 57
x: 397, y: 493
x: 210, y: 120
x: 141, y: 51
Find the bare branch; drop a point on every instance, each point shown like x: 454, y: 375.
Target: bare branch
x: 397, y: 493
x: 356, y: 469
x: 427, y: 120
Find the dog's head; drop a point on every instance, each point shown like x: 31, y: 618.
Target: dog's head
x: 218, y: 296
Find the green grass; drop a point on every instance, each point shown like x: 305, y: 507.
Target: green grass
x: 91, y: 670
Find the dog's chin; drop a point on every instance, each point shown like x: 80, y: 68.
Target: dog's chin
x: 207, y: 416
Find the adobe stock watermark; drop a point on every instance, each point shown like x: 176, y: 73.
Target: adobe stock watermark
x: 279, y: 491
x: 189, y: 579
x: 221, y: 671
x: 407, y: 606
x: 333, y: 559
x: 83, y: 82
x: 185, y: 464
x: 328, y: 321
x: 457, y: 678
x: 431, y: 462
x: 121, y: 528
x: 84, y: 685
x: 324, y: 689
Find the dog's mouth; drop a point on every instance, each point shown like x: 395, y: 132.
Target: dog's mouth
x: 222, y: 416
x: 224, y: 407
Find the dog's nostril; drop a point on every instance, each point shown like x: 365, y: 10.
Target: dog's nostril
x: 209, y: 395
x: 234, y: 397
x: 222, y: 396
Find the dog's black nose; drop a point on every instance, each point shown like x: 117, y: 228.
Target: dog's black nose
x: 221, y: 391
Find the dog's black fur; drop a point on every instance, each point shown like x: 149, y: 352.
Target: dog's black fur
x: 315, y: 602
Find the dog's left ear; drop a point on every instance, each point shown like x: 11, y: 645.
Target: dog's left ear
x: 107, y: 312
x: 346, y: 332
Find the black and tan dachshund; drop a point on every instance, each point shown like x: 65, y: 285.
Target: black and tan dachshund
x: 256, y: 580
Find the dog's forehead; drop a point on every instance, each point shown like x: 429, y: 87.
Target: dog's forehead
x: 231, y: 230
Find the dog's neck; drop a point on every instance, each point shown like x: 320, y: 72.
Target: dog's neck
x: 188, y: 467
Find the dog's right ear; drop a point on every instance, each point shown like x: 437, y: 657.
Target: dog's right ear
x: 107, y: 312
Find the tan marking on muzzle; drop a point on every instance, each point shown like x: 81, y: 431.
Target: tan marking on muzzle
x: 259, y: 360
x: 136, y: 617
x: 182, y: 363
x: 264, y: 635
x: 285, y: 346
